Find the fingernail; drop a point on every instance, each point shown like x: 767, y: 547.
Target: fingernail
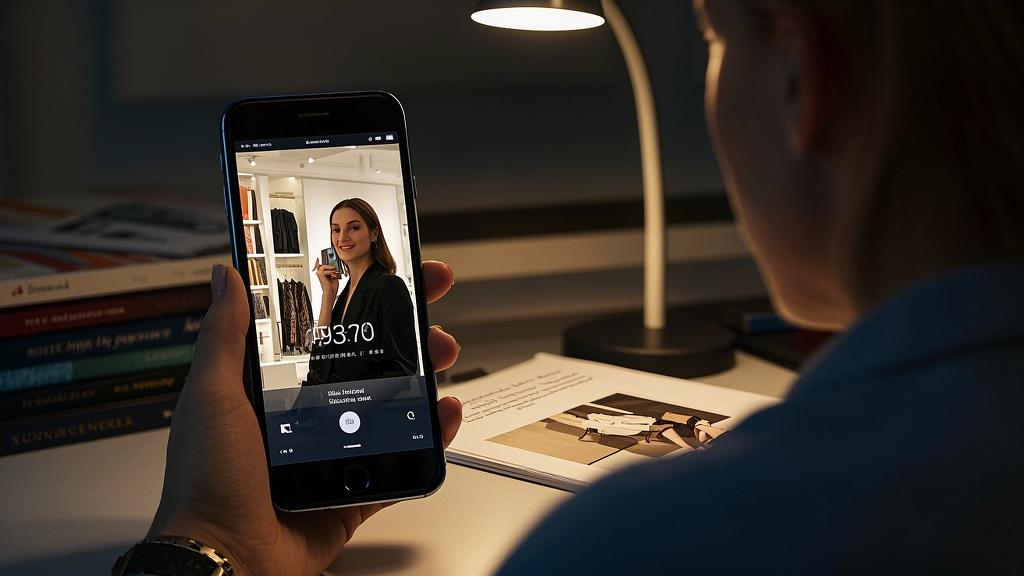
x: 217, y: 280
x: 438, y: 326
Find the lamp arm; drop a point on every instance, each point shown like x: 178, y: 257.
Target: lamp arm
x: 650, y: 159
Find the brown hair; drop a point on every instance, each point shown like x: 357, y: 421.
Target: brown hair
x: 924, y: 102
x: 379, y: 247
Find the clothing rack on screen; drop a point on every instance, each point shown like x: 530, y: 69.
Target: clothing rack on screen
x: 249, y: 206
x: 257, y: 272
x: 253, y: 239
x: 286, y: 231
x: 296, y: 317
x: 261, y: 306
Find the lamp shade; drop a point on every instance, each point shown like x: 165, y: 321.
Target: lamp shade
x: 539, y: 15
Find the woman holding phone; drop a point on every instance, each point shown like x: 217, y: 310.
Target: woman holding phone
x: 368, y: 330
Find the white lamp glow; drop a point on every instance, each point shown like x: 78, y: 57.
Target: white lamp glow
x: 537, y: 19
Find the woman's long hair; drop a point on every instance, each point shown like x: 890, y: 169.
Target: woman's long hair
x: 379, y: 247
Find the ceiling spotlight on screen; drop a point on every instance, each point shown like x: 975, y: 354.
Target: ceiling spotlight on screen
x: 539, y: 15
x: 685, y: 346
x: 310, y: 160
x: 252, y: 160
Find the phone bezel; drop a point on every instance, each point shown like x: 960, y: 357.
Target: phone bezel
x: 320, y: 484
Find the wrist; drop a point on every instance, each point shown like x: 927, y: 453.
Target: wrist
x: 171, y: 556
x: 202, y: 532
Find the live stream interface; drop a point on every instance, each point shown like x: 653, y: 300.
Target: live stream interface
x: 330, y: 270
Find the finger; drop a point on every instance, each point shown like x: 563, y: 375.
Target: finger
x: 317, y: 264
x: 438, y: 278
x: 444, y: 349
x: 449, y: 413
x: 220, y: 347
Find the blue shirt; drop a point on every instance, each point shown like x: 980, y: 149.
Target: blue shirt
x: 900, y: 449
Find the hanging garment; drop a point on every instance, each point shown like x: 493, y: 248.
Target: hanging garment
x: 304, y: 316
x: 244, y: 194
x: 289, y: 320
x: 286, y: 317
x: 293, y: 233
x: 277, y: 226
x: 250, y: 245
x: 259, y: 307
x: 258, y: 240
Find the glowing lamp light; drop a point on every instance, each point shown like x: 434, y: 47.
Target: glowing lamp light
x: 549, y: 16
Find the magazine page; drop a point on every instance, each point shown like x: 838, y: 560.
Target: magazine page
x: 566, y: 422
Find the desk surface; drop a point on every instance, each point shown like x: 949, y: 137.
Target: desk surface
x: 73, y: 509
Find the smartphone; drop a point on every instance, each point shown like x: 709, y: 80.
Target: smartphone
x: 341, y: 382
x: 329, y: 257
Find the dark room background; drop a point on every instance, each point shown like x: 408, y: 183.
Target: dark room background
x: 123, y: 94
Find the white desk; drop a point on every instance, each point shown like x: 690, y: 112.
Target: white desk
x: 73, y: 509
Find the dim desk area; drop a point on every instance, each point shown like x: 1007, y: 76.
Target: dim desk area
x: 74, y: 509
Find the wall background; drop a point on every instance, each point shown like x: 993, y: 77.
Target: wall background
x: 497, y: 117
x: 540, y: 127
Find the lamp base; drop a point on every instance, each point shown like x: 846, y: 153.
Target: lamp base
x: 686, y: 348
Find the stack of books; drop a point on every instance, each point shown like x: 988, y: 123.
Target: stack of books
x: 98, y: 342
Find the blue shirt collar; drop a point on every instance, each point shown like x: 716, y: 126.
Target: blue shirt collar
x: 966, y: 309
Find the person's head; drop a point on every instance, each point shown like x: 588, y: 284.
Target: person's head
x: 356, y: 234
x: 868, y: 144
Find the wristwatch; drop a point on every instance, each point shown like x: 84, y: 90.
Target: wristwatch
x: 171, y: 556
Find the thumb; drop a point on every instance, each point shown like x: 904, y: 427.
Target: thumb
x: 220, y: 347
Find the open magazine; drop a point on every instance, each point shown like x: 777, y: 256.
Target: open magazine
x: 565, y: 422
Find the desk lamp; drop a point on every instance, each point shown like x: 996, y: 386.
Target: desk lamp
x: 684, y: 347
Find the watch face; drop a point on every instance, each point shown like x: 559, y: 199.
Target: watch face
x: 181, y: 558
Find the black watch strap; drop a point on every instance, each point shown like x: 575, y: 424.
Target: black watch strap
x: 171, y: 556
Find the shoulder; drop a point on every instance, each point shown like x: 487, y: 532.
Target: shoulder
x: 390, y: 285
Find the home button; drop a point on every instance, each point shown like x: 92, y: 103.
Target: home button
x: 356, y: 479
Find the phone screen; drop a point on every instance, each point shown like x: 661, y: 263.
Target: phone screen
x: 338, y: 329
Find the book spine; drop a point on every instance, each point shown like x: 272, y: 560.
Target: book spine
x: 98, y: 341
x: 90, y: 368
x: 51, y: 399
x: 28, y: 321
x: 105, y: 281
x: 27, y: 434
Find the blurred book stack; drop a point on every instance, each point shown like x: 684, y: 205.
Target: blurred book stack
x: 100, y: 306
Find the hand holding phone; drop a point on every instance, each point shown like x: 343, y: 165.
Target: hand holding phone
x: 347, y: 408
x: 216, y: 487
x: 328, y: 276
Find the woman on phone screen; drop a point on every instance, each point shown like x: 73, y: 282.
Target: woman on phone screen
x: 368, y: 330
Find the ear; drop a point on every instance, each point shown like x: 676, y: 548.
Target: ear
x: 805, y: 82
